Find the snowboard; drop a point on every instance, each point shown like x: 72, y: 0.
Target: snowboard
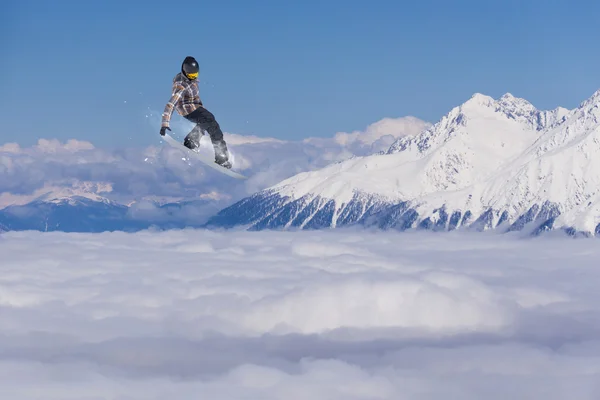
x: 208, y: 160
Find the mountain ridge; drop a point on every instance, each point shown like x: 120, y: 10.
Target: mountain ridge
x: 487, y: 164
x: 90, y: 214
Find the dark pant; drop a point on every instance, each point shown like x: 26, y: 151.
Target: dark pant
x: 205, y: 121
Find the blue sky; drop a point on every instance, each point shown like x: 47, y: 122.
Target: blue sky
x: 93, y: 70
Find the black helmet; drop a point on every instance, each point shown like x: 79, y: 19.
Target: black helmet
x: 190, y: 67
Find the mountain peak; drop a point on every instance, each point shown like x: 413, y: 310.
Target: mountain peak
x: 515, y: 107
x: 507, y: 104
x: 480, y: 99
x: 69, y: 196
x: 478, y: 119
x: 79, y: 190
x: 593, y: 100
x: 509, y: 97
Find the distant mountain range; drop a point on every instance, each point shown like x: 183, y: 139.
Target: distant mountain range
x: 488, y: 164
x: 92, y: 213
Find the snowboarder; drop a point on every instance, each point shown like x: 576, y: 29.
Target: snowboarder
x: 185, y: 98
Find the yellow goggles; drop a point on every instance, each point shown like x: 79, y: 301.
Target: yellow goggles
x: 192, y: 76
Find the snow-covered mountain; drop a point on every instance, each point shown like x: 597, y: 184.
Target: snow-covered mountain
x: 71, y: 196
x: 488, y: 164
x: 68, y: 214
x: 93, y: 213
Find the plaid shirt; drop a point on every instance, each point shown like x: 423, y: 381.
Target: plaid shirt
x: 185, y: 98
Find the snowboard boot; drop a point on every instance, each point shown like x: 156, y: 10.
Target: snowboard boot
x: 192, y: 140
x: 221, y: 157
x: 223, y: 161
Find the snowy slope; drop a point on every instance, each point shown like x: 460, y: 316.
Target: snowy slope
x: 487, y: 162
x: 468, y: 144
x: 561, y: 168
x: 71, y: 196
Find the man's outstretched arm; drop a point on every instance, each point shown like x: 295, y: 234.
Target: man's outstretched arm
x: 166, y: 115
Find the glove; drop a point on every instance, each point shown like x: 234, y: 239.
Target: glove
x: 162, y: 130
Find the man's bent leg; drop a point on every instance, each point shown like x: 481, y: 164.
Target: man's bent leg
x: 192, y: 140
x: 205, y: 120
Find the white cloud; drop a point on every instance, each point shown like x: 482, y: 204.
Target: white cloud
x: 48, y: 146
x: 54, y: 145
x: 376, y: 137
x: 235, y: 139
x: 392, y: 127
x: 10, y: 148
x: 91, y: 190
x: 410, y: 302
x: 259, y: 315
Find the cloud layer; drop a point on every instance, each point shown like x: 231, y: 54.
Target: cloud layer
x: 280, y: 315
x: 159, y: 173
